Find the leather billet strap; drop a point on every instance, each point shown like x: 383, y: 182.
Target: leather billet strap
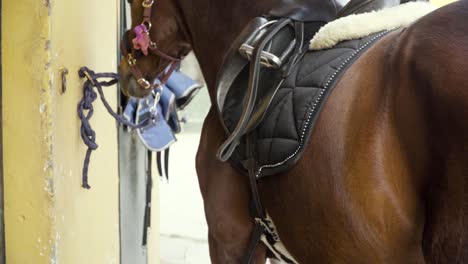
x: 147, y: 9
x: 255, y: 238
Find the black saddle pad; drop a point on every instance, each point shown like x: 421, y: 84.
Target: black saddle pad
x: 290, y: 117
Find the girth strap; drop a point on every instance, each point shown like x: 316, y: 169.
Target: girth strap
x: 258, y: 211
x: 245, y: 126
x: 254, y: 241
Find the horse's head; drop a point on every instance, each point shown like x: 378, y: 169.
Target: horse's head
x: 156, y: 40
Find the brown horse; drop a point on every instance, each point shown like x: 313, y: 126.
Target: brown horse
x: 384, y: 178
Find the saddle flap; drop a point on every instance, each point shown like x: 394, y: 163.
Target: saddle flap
x: 266, y: 57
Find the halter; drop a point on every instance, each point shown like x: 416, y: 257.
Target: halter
x: 153, y: 49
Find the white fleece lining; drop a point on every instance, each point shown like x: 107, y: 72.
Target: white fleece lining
x: 361, y: 25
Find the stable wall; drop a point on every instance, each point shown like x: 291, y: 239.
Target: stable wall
x: 49, y: 218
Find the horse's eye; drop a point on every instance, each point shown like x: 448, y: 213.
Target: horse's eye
x: 130, y: 1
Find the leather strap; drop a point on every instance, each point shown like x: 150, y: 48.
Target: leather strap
x: 254, y: 241
x: 159, y: 163
x: 258, y: 210
x: 149, y: 187
x: 153, y: 48
x: 228, y: 147
x: 298, y: 51
x: 135, y: 71
x: 233, y: 63
x: 166, y: 163
x: 147, y: 10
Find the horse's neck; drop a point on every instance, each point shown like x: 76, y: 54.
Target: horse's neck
x: 213, y: 26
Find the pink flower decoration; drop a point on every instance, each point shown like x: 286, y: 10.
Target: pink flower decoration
x: 142, y: 39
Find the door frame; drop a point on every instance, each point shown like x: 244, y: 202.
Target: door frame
x: 2, y: 211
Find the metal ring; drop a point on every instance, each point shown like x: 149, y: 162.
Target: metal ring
x: 147, y: 5
x: 147, y: 24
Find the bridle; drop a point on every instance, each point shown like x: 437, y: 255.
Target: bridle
x: 153, y: 49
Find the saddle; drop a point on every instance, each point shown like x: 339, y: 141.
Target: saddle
x: 264, y: 55
x: 270, y: 90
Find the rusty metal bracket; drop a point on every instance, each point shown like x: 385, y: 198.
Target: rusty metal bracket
x: 63, y: 75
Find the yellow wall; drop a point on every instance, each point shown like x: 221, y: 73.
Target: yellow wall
x: 28, y: 139
x: 49, y: 218
x: 85, y: 33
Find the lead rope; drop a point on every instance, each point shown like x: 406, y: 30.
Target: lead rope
x: 86, y: 111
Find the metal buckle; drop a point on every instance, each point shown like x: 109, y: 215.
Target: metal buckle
x: 131, y: 61
x: 267, y: 59
x: 147, y: 5
x: 144, y: 83
x: 153, y: 45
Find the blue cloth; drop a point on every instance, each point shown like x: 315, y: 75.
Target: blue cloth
x: 159, y: 134
x: 183, y: 87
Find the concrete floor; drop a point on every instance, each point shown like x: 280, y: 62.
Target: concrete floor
x: 183, y: 230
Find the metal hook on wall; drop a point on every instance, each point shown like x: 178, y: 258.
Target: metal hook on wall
x: 63, y: 75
